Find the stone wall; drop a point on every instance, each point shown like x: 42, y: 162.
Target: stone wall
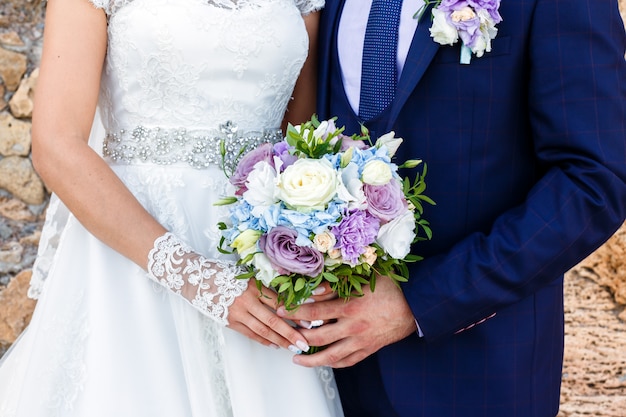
x: 23, y: 196
x: 594, y: 380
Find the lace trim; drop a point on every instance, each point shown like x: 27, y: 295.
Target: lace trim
x: 305, y: 6
x: 325, y: 374
x: 210, y: 286
x: 309, y: 6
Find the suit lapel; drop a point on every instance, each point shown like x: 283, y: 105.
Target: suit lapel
x: 421, y: 52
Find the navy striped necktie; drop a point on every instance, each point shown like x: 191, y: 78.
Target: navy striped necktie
x: 379, y: 73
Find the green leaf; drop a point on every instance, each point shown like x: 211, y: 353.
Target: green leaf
x: 357, y: 285
x: 426, y: 199
x: 398, y: 278
x: 300, y: 282
x: 330, y: 277
x: 246, y: 275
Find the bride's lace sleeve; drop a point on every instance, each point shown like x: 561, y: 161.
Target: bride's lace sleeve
x: 109, y: 6
x: 211, y: 286
x: 309, y: 6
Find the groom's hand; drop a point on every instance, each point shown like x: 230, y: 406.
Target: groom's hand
x: 357, y: 328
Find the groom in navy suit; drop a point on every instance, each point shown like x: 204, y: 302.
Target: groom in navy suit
x: 526, y: 154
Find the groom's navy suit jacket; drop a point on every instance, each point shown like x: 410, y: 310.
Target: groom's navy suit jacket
x: 526, y: 155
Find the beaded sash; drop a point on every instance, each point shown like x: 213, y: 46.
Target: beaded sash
x: 197, y: 148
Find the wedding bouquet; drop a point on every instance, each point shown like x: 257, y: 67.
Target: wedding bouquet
x: 322, y: 206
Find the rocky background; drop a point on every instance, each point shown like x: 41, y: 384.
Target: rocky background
x: 594, y: 373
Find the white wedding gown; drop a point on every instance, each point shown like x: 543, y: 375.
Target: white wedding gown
x: 106, y: 341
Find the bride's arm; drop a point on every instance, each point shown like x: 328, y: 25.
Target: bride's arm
x: 66, y: 97
x: 302, y: 105
x: 71, y: 65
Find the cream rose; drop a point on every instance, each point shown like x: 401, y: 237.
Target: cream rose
x: 396, y: 236
x: 324, y: 241
x: 376, y: 172
x: 307, y: 184
x: 369, y: 256
x: 333, y: 259
x: 462, y: 15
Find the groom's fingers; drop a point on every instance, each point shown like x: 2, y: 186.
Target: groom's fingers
x: 322, y: 310
x: 363, y: 325
x: 338, y: 355
x: 326, y: 334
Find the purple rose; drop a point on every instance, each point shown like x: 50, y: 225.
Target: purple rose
x: 356, y: 230
x: 247, y: 163
x: 282, y: 149
x: 385, y: 201
x: 280, y: 247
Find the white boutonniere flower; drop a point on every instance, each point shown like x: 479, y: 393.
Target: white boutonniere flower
x: 472, y: 21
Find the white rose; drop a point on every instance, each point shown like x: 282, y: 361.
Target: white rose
x: 307, y: 184
x: 376, y: 172
x: 391, y: 142
x: 441, y: 31
x: 396, y: 236
x: 265, y: 271
x: 324, y: 241
x: 260, y: 184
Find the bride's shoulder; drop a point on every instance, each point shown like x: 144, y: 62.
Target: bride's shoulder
x: 308, y: 6
x: 109, y: 6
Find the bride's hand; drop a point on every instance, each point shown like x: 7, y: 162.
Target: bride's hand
x: 253, y: 315
x: 212, y: 287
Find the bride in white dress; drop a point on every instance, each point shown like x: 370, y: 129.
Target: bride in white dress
x: 139, y: 314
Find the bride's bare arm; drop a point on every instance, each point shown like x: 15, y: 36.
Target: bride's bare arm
x: 66, y: 97
x: 71, y: 65
x: 302, y: 105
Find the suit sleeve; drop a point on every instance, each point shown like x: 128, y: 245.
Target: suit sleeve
x: 577, y: 115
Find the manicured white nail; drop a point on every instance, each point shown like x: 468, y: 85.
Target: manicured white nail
x: 295, y: 350
x: 316, y: 323
x: 306, y: 324
x: 302, y: 346
x: 319, y: 291
x: 308, y: 301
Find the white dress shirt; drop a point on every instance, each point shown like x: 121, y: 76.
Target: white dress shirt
x: 351, y: 36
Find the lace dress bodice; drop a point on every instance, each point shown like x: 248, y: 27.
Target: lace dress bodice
x: 211, y: 61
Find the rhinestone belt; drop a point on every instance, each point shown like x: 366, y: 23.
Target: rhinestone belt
x: 198, y: 148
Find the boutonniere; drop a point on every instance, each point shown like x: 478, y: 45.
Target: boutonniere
x: 472, y: 21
